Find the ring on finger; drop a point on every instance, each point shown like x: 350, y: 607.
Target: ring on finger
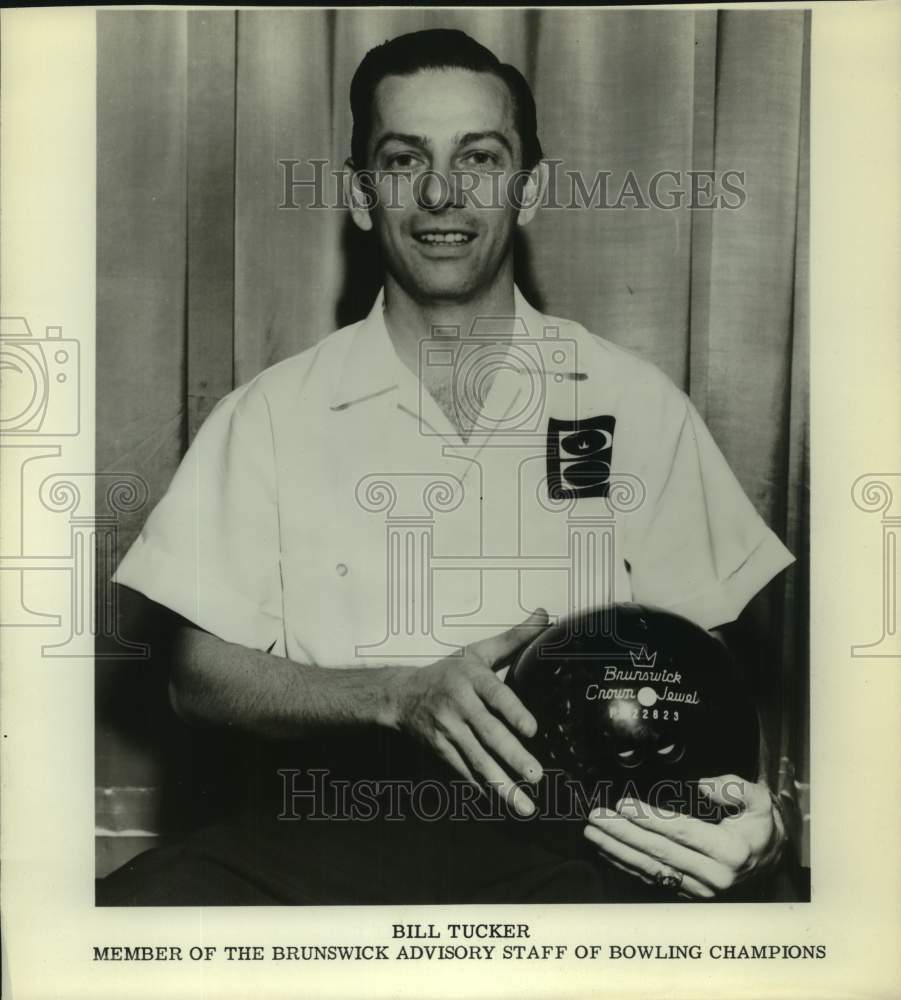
x: 669, y: 878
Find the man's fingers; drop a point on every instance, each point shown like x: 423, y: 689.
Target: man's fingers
x: 502, y: 699
x: 640, y: 863
x: 660, y: 848
x: 496, y: 648
x: 628, y: 870
x: 494, y: 735
x: 448, y: 751
x: 484, y: 764
x: 712, y: 839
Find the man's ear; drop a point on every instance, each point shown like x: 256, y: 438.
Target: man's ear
x: 532, y: 193
x: 358, y: 193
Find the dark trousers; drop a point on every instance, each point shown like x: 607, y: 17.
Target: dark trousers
x: 433, y: 846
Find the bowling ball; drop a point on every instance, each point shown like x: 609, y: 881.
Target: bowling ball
x: 636, y: 701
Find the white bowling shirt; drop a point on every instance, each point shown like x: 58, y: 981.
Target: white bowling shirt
x: 329, y: 512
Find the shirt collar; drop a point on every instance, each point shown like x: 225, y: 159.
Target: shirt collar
x: 371, y: 366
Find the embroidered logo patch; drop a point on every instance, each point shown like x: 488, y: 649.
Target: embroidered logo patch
x: 579, y: 453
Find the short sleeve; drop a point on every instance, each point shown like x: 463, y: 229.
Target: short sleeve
x: 210, y: 549
x: 701, y: 549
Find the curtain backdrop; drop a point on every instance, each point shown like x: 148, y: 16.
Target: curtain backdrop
x: 202, y: 280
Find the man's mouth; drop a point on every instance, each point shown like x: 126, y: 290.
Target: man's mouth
x: 444, y: 237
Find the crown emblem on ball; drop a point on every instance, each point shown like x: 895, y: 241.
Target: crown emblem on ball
x: 643, y: 659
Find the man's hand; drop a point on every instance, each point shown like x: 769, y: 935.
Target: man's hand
x: 470, y: 718
x: 711, y: 857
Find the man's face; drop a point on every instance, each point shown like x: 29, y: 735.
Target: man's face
x: 445, y: 224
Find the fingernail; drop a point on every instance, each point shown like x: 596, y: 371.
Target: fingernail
x: 524, y: 806
x: 533, y: 772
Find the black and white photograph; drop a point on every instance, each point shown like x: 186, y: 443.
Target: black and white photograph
x: 462, y: 359
x: 451, y: 497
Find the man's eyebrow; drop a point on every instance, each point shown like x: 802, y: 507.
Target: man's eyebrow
x: 406, y: 138
x: 468, y: 137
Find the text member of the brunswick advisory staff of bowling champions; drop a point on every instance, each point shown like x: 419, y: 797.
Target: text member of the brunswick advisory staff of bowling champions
x: 270, y: 547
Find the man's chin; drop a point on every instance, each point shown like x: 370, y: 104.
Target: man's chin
x: 448, y: 287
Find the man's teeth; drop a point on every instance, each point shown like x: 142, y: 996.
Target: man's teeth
x: 443, y: 237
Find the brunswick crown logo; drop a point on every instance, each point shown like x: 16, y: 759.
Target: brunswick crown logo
x: 643, y: 659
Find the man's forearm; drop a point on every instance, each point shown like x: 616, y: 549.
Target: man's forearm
x: 214, y: 682
x: 456, y: 706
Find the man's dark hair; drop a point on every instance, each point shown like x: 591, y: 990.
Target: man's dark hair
x: 437, y: 48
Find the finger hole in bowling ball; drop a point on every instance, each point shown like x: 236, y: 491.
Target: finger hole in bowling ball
x: 630, y: 758
x: 672, y: 753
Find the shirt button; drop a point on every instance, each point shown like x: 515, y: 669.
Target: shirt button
x: 341, y: 569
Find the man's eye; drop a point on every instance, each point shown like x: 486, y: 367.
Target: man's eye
x: 480, y: 158
x: 402, y: 161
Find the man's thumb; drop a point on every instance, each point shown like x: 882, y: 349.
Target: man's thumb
x: 538, y: 618
x: 733, y: 792
x: 499, y: 648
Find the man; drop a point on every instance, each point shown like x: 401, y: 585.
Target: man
x: 442, y: 414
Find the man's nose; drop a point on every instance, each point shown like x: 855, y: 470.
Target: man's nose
x: 435, y: 190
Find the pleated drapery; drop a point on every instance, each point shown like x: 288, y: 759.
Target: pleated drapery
x: 202, y: 280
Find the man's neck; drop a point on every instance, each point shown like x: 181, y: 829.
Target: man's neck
x: 409, y: 321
